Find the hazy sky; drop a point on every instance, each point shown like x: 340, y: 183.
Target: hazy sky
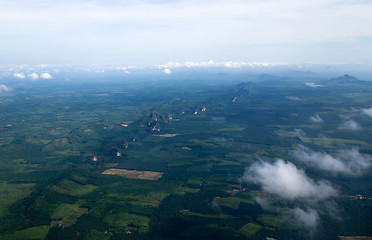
x: 151, y: 32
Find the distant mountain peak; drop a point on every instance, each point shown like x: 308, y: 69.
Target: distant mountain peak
x: 346, y: 78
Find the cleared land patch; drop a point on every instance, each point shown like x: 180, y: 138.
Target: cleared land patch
x: 166, y: 135
x: 147, y: 175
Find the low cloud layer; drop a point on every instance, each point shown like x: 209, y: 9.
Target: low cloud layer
x: 284, y: 180
x: 367, y: 111
x: 348, y: 161
x: 316, y: 119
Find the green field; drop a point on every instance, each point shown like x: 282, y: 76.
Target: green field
x: 57, y: 140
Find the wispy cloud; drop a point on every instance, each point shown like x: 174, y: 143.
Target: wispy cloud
x: 316, y: 119
x: 4, y: 88
x: 299, y: 132
x: 293, y: 98
x: 350, y: 124
x: 284, y: 180
x: 349, y: 161
x: 313, y: 85
x: 308, y: 219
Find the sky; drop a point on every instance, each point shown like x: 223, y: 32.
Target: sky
x: 145, y: 32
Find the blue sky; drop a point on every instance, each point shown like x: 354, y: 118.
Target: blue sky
x: 155, y: 32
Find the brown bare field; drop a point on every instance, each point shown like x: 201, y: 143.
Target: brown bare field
x: 355, y: 237
x: 166, y: 135
x: 148, y: 175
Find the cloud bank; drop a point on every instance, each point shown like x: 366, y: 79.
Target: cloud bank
x: 211, y: 63
x: 348, y: 161
x: 284, y: 180
x: 316, y: 119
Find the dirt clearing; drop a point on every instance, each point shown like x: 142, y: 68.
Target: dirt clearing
x: 148, y: 175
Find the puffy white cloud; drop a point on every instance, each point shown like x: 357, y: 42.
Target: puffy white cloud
x: 33, y: 76
x: 284, y: 180
x: 367, y: 111
x: 4, y: 88
x: 19, y: 75
x: 307, y: 219
x: 351, y: 124
x: 313, y: 85
x: 167, y: 71
x: 45, y: 76
x: 316, y: 119
x: 293, y: 98
x: 348, y: 161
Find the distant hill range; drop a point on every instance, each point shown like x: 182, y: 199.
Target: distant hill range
x: 345, y: 79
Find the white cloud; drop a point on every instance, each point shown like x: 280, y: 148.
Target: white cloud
x: 284, y: 180
x: 4, y: 88
x: 293, y: 98
x: 313, y: 85
x: 45, y: 76
x: 299, y: 132
x: 348, y: 161
x: 367, y: 111
x: 19, y: 75
x: 33, y: 76
x: 351, y: 124
x: 211, y: 63
x: 316, y: 119
x: 167, y: 71
x: 307, y: 219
